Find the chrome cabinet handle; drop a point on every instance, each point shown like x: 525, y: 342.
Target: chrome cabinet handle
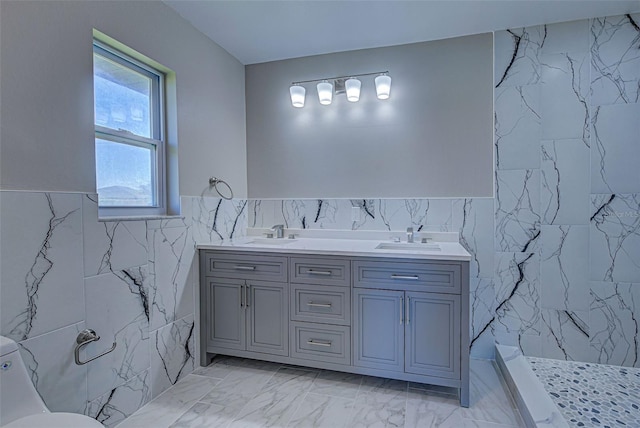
x: 401, y: 310
x: 408, y: 309
x: 250, y: 268
x: 319, y: 272
x: 316, y: 343
x: 410, y: 277
x: 319, y: 305
x: 84, y: 338
x: 241, y: 296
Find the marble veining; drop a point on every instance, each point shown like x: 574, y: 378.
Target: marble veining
x: 615, y: 237
x: 218, y: 219
x: 110, y: 245
x: 565, y: 334
x: 122, y: 401
x: 519, y: 63
x: 473, y: 219
x: 615, y: 59
x: 565, y: 96
x: 564, y: 176
x: 615, y: 325
x: 517, y: 295
x: 40, y: 267
x: 170, y: 259
x: 615, y: 151
x: 517, y: 210
x: 122, y: 317
x: 564, y: 267
x: 517, y: 126
x: 172, y: 354
x: 41, y: 263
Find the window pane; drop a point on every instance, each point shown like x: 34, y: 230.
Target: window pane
x: 122, y: 97
x: 125, y: 174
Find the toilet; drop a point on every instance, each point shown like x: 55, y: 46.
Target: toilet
x: 20, y: 404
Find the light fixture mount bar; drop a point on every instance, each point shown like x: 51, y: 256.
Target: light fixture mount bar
x: 339, y: 77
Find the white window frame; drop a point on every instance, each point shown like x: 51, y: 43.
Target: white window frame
x: 157, y: 140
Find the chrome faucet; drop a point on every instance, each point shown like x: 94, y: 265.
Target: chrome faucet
x: 409, y: 234
x: 279, y: 229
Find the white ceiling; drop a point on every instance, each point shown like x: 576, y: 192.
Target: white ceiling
x: 265, y: 30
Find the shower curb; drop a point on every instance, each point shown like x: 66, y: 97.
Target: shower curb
x: 533, y: 401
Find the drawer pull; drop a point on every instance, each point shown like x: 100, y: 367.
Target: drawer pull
x: 316, y: 343
x: 319, y: 272
x: 319, y: 305
x: 245, y: 268
x: 410, y: 277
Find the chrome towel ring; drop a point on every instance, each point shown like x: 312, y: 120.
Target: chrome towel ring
x: 226, y: 194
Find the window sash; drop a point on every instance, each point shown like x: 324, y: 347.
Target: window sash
x: 129, y: 138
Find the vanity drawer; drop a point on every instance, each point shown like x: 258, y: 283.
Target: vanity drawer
x: 407, y: 275
x: 322, y: 271
x: 233, y: 265
x: 329, y: 344
x: 321, y: 304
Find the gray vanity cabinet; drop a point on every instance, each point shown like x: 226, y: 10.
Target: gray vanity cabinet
x: 404, y: 319
x: 244, y: 304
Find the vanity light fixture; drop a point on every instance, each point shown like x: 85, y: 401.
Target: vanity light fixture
x: 349, y: 85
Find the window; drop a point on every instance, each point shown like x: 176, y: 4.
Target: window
x: 129, y: 124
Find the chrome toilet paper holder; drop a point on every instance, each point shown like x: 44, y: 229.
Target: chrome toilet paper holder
x: 85, y: 337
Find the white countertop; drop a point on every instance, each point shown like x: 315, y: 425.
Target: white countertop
x: 342, y: 247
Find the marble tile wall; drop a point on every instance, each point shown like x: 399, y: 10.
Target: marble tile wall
x: 133, y: 282
x: 556, y: 253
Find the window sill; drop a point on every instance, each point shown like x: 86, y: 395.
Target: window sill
x: 140, y: 217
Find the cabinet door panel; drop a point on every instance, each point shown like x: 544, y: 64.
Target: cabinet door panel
x: 378, y: 329
x: 268, y: 317
x: 433, y: 335
x: 226, y: 315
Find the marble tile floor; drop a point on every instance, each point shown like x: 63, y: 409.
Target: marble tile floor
x: 235, y: 392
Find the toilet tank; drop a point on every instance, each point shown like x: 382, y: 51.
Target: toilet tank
x: 18, y: 396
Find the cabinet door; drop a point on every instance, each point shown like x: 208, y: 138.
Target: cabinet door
x: 226, y: 313
x: 432, y: 337
x: 378, y: 329
x: 268, y: 317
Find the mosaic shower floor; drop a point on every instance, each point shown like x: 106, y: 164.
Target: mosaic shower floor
x: 591, y: 395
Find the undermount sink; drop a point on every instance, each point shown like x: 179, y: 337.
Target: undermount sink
x: 272, y: 241
x: 406, y: 246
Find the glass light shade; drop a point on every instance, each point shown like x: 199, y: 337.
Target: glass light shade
x: 325, y: 93
x: 353, y: 89
x: 383, y: 86
x: 297, y: 95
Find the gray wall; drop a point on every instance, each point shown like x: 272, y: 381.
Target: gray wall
x: 431, y: 138
x: 47, y: 93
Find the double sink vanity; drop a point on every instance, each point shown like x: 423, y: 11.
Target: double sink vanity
x: 375, y: 307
